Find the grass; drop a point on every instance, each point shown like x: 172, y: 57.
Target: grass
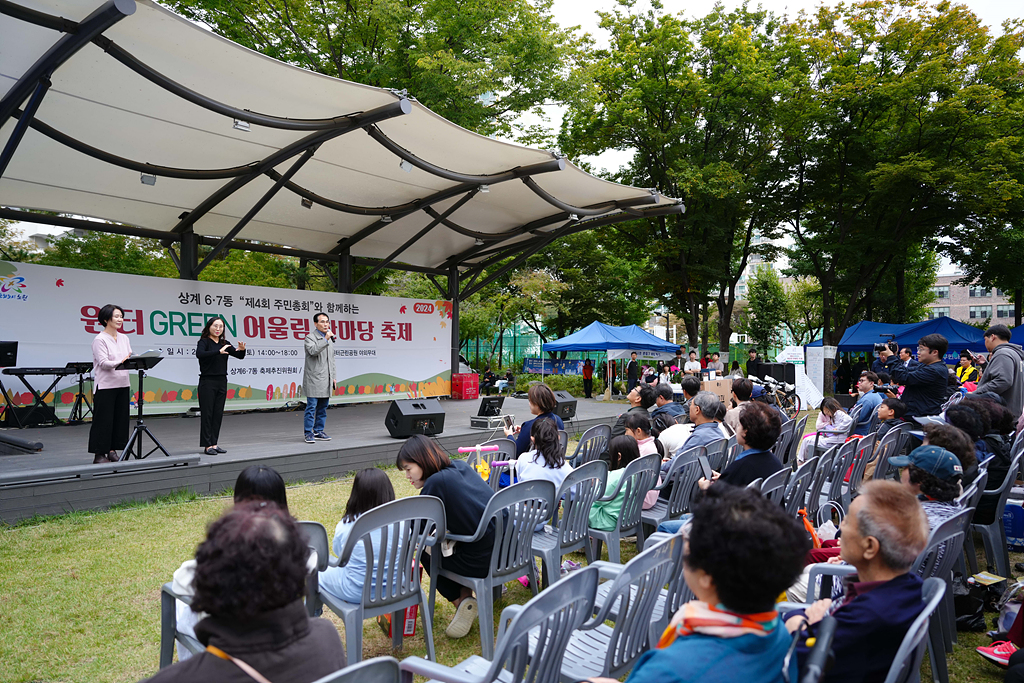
x: 80, y: 593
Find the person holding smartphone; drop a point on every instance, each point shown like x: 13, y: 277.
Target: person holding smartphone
x: 212, y: 352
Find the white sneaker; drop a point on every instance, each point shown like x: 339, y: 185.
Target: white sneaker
x: 463, y: 620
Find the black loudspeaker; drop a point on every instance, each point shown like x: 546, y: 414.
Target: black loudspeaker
x: 415, y: 416
x: 782, y: 372
x: 566, y: 408
x: 8, y: 354
x: 40, y: 415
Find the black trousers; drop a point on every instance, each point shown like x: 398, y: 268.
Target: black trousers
x: 460, y: 564
x: 110, y: 418
x: 212, y: 393
x: 1015, y: 672
x: 588, y: 387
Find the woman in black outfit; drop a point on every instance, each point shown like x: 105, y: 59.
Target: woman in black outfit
x: 212, y: 353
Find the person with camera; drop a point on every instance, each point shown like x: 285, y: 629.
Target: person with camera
x: 925, y: 379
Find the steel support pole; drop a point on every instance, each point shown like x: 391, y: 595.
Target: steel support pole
x: 345, y: 272
x: 189, y: 256
x: 453, y: 296
x: 24, y: 121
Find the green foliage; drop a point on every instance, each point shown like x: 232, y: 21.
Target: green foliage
x: 767, y: 306
x: 480, y: 64
x: 11, y: 248
x: 803, y: 310
x: 991, y: 255
x: 571, y: 383
x: 108, y: 253
x: 250, y: 268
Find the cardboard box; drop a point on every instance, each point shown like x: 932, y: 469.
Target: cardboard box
x: 408, y: 622
x: 722, y: 388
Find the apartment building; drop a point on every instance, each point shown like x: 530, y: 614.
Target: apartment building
x: 969, y: 304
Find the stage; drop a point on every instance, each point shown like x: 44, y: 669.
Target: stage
x: 61, y: 478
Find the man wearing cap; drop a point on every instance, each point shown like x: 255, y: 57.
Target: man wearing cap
x: 933, y: 474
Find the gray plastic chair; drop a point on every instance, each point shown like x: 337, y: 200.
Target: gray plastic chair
x: 682, y: 477
x: 774, y: 487
x: 1018, y: 445
x: 945, y: 544
x: 994, y: 535
x: 968, y: 500
x: 907, y: 662
x: 885, y: 449
x: 591, y: 445
x: 798, y: 435
x: 407, y: 527
x: 718, y: 451
x: 169, y: 627
x: 376, y: 670
x: 516, y: 511
x: 636, y: 481
x: 506, y: 453
x: 550, y: 618
x: 841, y: 464
x: 731, y: 453
x: 577, y: 493
x: 756, y: 485
x: 863, y: 455
x: 597, y: 649
x: 781, y: 446
x: 821, y: 473
x: 798, y: 485
x: 563, y: 440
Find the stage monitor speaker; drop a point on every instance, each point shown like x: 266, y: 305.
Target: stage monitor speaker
x: 566, y: 408
x: 782, y: 372
x: 415, y: 416
x: 8, y: 354
x: 41, y: 415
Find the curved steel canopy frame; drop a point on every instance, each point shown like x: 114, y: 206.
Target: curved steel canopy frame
x: 465, y: 267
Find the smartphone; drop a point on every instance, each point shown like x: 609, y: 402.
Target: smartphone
x: 509, y: 421
x: 705, y: 465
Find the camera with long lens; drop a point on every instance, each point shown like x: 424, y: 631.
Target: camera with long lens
x: 891, y: 345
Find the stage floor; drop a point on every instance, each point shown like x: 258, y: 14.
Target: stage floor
x: 271, y: 438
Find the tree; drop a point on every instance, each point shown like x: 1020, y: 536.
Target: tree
x: 109, y: 253
x: 803, y: 310
x: 697, y: 100
x: 992, y: 255
x: 906, y: 128
x: 480, y: 64
x: 12, y: 248
x: 767, y: 308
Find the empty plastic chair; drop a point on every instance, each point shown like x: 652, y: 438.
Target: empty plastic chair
x: 563, y: 441
x: 551, y: 618
x: 516, y: 511
x: 405, y: 527
x: 636, y: 481
x: 591, y: 445
x: 781, y: 446
x: 886, y: 448
x: 994, y: 534
x: 570, y: 532
x: 799, y: 483
x: 863, y: 455
x: 818, y: 480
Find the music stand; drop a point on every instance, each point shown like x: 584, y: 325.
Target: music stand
x: 142, y: 364
x: 81, y: 400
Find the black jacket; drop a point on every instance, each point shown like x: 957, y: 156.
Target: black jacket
x: 757, y: 465
x: 213, y: 363
x: 284, y: 645
x: 925, y: 386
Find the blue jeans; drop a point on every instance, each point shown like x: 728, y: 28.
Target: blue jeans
x: 319, y: 407
x: 673, y: 526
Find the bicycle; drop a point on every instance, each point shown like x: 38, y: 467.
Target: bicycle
x: 781, y: 394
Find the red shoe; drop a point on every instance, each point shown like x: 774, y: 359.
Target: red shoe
x: 998, y: 652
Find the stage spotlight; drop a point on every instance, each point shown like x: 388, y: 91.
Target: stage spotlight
x: 241, y: 125
x: 148, y: 179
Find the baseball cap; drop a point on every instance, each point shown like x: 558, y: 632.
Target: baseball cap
x: 932, y: 459
x: 757, y: 391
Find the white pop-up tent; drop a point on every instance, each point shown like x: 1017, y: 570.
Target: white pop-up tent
x: 127, y: 113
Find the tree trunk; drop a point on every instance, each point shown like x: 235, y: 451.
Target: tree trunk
x: 725, y: 306
x: 1016, y: 306
x: 703, y: 329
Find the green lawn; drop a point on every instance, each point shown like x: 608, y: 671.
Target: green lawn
x: 80, y: 593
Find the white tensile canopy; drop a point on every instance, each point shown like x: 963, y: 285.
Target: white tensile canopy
x: 171, y: 131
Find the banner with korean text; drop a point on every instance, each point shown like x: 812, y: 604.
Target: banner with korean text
x: 387, y: 348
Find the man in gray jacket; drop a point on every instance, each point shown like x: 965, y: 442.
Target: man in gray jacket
x: 318, y: 377
x: 1004, y: 372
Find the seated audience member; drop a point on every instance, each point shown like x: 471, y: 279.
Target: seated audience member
x: 735, y: 370
x: 641, y: 398
x: 488, y: 381
x: 869, y: 401
x: 883, y: 534
x: 830, y: 429
x: 663, y: 399
x: 731, y: 631
x: 998, y: 441
x: 741, y: 391
x: 974, y: 422
x: 465, y: 495
x: 957, y: 442
x: 639, y: 427
x: 758, y: 431
x: 690, y: 386
x: 670, y: 433
x: 546, y: 459
x: 370, y: 489
x: 720, y: 414
x: 716, y: 365
x: 933, y: 475
x: 890, y: 414
x: 256, y: 482
x: 703, y: 410
x: 884, y: 378
x: 542, y: 404
x: 604, y: 514
x: 692, y: 366
x: 250, y: 577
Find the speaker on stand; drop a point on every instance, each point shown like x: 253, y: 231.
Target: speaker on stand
x: 566, y: 408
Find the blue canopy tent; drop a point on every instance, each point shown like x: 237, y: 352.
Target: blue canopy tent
x: 1017, y: 335
x: 865, y: 334
x: 619, y: 342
